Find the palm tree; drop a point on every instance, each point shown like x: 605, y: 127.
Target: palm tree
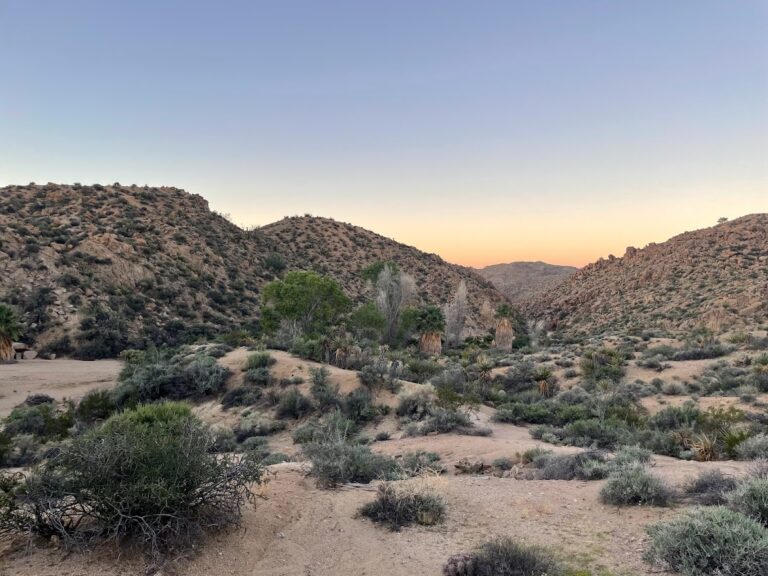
x: 430, y: 323
x: 10, y: 330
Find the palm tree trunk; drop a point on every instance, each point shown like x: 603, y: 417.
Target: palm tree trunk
x: 6, y: 350
x: 430, y: 344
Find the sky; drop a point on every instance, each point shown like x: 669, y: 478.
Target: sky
x: 486, y: 132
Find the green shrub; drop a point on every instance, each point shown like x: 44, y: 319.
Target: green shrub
x: 43, y: 421
x: 156, y: 375
x: 242, y: 396
x: 336, y: 458
x: 250, y: 426
x: 146, y: 474
x: 258, y: 377
x: 708, y: 541
x: 751, y: 499
x: 504, y: 557
x: 602, y: 364
x: 258, y: 360
x: 293, y: 404
x: 417, y: 405
x: 96, y: 405
x: 359, y: 407
x: 635, y: 485
x: 402, y: 505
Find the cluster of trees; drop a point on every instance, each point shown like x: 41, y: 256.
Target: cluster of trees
x: 305, y: 304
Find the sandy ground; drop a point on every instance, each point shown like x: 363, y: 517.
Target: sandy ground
x: 299, y: 530
x: 57, y: 378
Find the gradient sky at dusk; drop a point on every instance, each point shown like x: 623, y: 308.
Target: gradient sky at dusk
x: 486, y: 131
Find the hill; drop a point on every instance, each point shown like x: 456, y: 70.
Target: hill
x: 99, y: 268
x: 715, y: 277
x: 343, y: 251
x: 523, y: 281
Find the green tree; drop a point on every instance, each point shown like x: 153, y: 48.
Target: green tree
x: 10, y: 330
x: 367, y: 322
x: 313, y: 302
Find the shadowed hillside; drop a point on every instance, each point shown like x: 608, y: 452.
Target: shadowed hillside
x: 343, y: 251
x: 715, y: 278
x: 106, y: 267
x: 522, y: 281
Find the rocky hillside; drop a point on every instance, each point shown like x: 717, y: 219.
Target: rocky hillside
x: 343, y: 251
x: 523, y: 281
x: 715, y: 277
x: 110, y: 266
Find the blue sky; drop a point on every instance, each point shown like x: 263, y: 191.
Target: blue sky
x: 483, y: 131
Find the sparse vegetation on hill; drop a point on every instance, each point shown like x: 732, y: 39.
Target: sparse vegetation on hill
x: 715, y: 278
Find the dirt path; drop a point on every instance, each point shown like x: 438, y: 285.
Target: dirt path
x: 57, y: 378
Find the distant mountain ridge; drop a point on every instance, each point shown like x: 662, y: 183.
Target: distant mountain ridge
x: 714, y: 277
x: 162, y: 267
x: 523, y: 281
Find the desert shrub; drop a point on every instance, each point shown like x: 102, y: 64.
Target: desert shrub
x: 293, y: 404
x: 37, y: 399
x: 258, y: 360
x: 402, y: 504
x: 258, y: 377
x: 504, y: 557
x: 602, y: 364
x: 753, y: 448
x: 337, y: 458
x: 338, y: 461
x: 443, y: 420
x: 631, y: 455
x: 374, y: 375
x: 275, y: 458
x: 751, y: 499
x: 146, y: 474
x: 533, y: 454
x: 589, y: 465
x: 250, y: 426
x: 675, y: 417
x: 95, y: 406
x: 710, y: 488
x: 254, y: 443
x: 504, y: 463
x: 223, y: 440
x: 635, y: 485
x: 155, y: 375
x: 242, y: 396
x: 42, y: 421
x: 758, y: 468
x: 325, y: 393
x: 713, y: 350
x: 418, y: 404
x: 359, y: 407
x: 330, y: 423
x: 708, y: 541
x: 421, y: 462
x: 419, y: 370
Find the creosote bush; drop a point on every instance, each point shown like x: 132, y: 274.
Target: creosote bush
x: 708, y: 541
x: 146, y: 474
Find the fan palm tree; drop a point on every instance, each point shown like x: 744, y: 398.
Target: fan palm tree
x: 430, y: 323
x: 10, y: 330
